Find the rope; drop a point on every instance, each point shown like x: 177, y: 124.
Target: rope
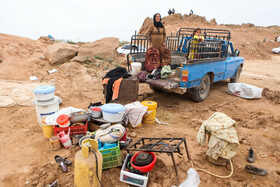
x: 222, y: 177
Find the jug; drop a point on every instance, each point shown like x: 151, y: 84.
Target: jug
x: 65, y: 138
x: 88, y: 165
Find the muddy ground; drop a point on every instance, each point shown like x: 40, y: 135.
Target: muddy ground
x: 27, y: 159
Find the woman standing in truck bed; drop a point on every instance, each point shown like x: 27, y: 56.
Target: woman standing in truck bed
x: 157, y: 33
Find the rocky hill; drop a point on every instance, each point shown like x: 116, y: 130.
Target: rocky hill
x: 248, y: 38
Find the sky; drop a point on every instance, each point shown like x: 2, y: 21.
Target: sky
x: 90, y: 20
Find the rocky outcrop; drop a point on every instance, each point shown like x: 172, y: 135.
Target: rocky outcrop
x: 60, y: 52
x: 45, y: 39
x: 104, y: 48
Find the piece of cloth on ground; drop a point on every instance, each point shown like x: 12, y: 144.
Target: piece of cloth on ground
x: 134, y: 113
x: 244, y: 90
x: 110, y: 134
x: 223, y: 140
x: 114, y: 75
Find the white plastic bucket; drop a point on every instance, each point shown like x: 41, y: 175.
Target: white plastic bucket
x: 46, y: 108
x: 135, y: 68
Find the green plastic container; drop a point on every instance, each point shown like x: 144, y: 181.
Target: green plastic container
x: 111, y: 157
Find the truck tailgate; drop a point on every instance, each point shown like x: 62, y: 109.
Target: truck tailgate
x: 166, y: 85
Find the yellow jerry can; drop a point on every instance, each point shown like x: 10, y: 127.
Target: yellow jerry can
x: 85, y: 170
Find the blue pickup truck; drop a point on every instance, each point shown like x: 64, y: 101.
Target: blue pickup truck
x: 196, y: 65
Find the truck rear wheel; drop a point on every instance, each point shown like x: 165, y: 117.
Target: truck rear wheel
x: 201, y: 92
x: 236, y: 77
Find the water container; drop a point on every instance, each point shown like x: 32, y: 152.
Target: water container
x: 46, y: 108
x: 135, y: 68
x: 85, y: 174
x: 65, y: 138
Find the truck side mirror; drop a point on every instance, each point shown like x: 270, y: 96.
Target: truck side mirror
x: 236, y: 53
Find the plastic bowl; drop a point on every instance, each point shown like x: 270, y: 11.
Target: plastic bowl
x: 147, y: 168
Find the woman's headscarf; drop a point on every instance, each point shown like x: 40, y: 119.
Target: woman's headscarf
x: 157, y: 24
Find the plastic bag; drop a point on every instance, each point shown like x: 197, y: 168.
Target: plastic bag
x: 192, y: 180
x: 134, y: 113
x: 246, y: 91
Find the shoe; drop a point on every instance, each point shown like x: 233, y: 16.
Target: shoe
x: 60, y: 161
x: 255, y: 170
x: 251, y: 156
x: 67, y: 162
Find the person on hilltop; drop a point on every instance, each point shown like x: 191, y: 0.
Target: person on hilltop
x: 173, y: 11
x: 191, y: 12
x: 157, y: 33
x: 169, y: 12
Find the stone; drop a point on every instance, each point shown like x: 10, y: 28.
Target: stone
x: 133, y: 135
x: 79, y: 59
x: 60, y: 52
x: 103, y: 48
x: 50, y: 179
x: 45, y: 39
x: 213, y: 21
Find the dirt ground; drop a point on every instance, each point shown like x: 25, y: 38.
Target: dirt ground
x: 27, y: 158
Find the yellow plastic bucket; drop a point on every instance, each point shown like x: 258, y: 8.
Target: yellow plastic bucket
x: 47, y: 131
x: 150, y: 116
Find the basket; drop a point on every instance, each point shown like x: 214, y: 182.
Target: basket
x: 81, y: 129
x: 111, y: 157
x: 133, y: 178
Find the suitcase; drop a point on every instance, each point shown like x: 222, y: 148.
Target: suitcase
x: 165, y: 56
x: 152, y: 59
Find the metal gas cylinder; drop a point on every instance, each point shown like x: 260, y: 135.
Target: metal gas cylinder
x: 86, y: 170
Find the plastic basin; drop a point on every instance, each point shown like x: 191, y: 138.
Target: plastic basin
x: 147, y: 168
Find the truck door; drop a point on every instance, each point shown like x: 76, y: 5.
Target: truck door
x: 230, y: 63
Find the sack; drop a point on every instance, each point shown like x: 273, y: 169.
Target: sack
x: 244, y: 90
x: 165, y: 57
x: 152, y: 59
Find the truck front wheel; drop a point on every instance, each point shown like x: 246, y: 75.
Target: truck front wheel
x: 201, y: 92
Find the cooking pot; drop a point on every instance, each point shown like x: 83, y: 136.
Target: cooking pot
x: 78, y: 117
x: 95, y: 112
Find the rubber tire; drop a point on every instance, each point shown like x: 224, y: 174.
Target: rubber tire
x: 204, y: 87
x: 236, y: 77
x: 155, y: 89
